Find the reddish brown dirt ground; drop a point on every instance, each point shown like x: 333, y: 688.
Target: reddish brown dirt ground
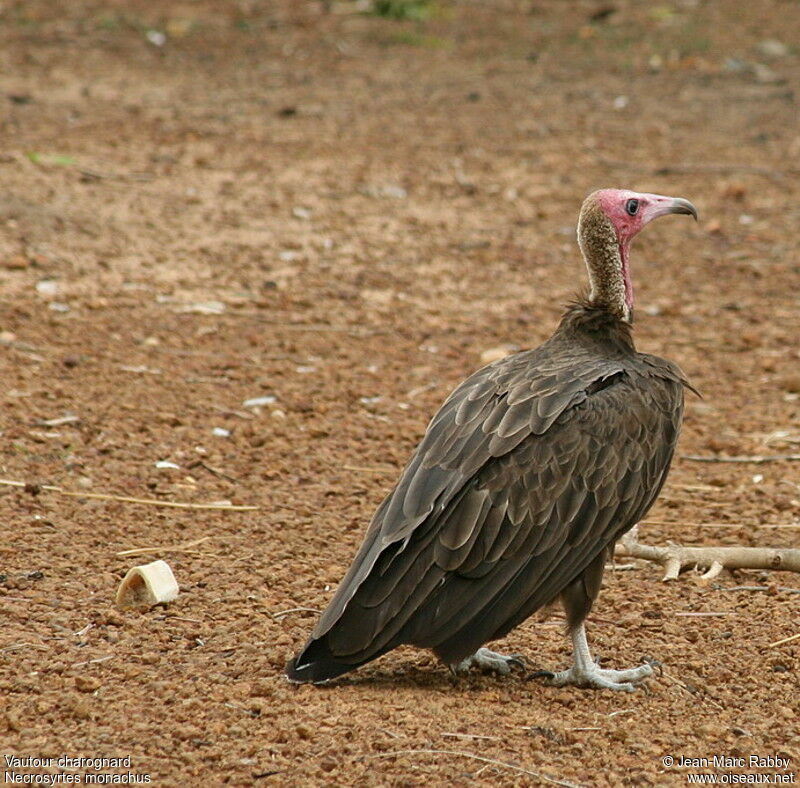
x: 346, y: 212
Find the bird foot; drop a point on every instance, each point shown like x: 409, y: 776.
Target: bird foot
x: 595, y: 676
x: 489, y: 662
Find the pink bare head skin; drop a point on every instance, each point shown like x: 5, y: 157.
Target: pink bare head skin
x: 617, y: 205
x: 609, y: 220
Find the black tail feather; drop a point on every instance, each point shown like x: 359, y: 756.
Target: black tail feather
x: 316, y: 664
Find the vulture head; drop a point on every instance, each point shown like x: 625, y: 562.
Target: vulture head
x: 609, y: 220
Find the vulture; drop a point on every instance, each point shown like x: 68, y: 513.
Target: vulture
x: 526, y: 477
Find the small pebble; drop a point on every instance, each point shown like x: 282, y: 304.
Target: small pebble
x: 87, y: 683
x: 47, y: 287
x: 773, y: 48
x: 156, y: 38
x: 256, y: 402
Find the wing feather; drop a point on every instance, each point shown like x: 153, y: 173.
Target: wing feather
x: 532, y: 467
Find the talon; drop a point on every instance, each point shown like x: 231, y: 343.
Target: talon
x: 542, y: 674
x: 655, y: 664
x: 490, y: 662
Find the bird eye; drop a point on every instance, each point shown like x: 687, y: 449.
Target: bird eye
x: 631, y: 207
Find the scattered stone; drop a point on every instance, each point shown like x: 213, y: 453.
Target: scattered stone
x: 765, y: 75
x: 47, y: 287
x: 87, y: 683
x: 156, y: 38
x: 257, y: 402
x: 80, y: 709
x: 734, y: 65
x: 261, y: 688
x: 773, y: 48
x: 202, y: 308
x: 385, y: 191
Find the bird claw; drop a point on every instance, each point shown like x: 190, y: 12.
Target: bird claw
x: 655, y: 664
x: 597, y: 677
x: 489, y: 662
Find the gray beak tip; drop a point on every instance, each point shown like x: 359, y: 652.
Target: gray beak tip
x: 679, y: 205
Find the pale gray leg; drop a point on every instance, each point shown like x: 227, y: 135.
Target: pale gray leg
x: 585, y: 672
x: 489, y: 662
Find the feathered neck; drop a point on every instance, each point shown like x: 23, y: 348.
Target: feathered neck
x: 606, y: 261
x: 589, y: 322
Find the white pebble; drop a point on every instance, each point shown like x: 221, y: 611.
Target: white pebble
x: 257, y: 402
x: 47, y: 287
x: 156, y: 38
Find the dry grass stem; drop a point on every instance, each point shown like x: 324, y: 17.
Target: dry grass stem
x: 129, y: 499
x: 784, y: 640
x: 291, y: 610
x: 753, y: 458
x: 363, y: 469
x: 491, y: 761
x: 181, y: 548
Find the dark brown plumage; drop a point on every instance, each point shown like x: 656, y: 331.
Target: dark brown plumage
x: 527, y: 475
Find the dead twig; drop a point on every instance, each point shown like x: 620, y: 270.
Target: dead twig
x: 701, y: 614
x: 96, y: 661
x: 211, y: 469
x: 240, y: 414
x: 756, y: 459
x: 283, y: 613
x: 674, y: 557
x: 128, y: 499
x: 766, y: 589
x: 648, y: 521
x: 471, y: 736
x: 695, y: 691
x: 364, y: 469
x: 784, y: 640
x: 19, y: 646
x: 181, y: 548
x: 481, y: 758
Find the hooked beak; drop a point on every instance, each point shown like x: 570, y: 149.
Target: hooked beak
x: 661, y: 206
x: 679, y: 205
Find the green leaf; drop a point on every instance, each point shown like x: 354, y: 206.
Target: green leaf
x: 55, y: 159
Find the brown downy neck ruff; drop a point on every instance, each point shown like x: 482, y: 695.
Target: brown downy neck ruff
x: 594, y: 326
x: 604, y: 259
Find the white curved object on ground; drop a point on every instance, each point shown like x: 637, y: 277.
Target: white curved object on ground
x: 149, y: 584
